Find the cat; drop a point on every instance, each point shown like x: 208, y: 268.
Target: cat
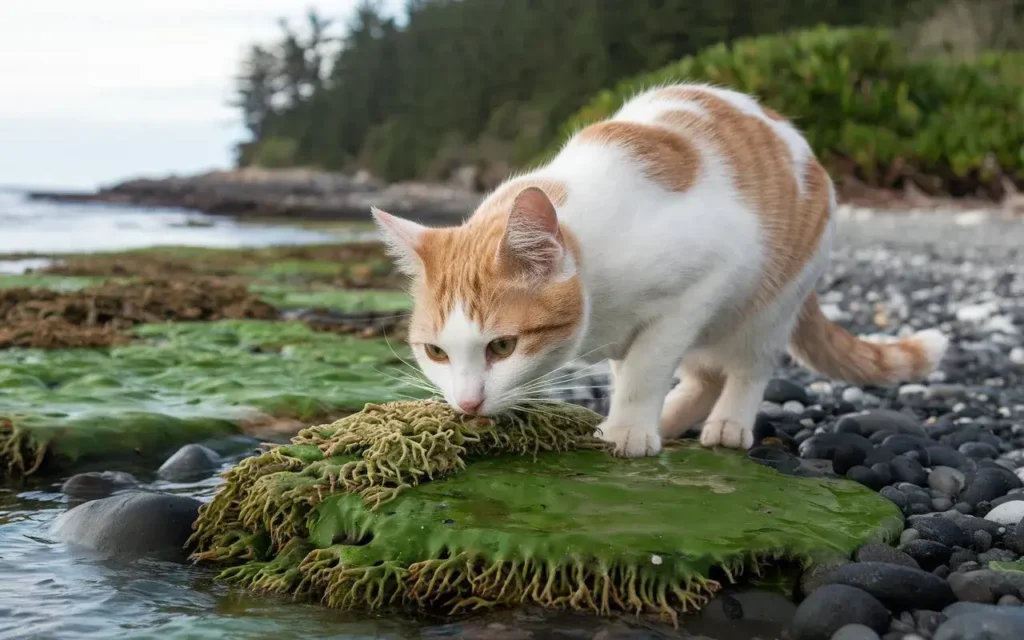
x: 682, y: 237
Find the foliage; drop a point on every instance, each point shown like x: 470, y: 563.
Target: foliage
x: 486, y: 81
x: 865, y: 107
x: 275, y: 152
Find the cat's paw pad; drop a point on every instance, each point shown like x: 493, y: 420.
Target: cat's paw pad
x: 726, y: 433
x: 630, y: 441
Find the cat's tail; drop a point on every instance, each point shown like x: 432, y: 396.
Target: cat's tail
x: 822, y: 345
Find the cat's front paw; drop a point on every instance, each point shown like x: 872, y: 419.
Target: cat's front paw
x: 630, y: 441
x: 727, y: 433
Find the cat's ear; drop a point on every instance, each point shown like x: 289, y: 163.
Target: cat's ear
x: 403, y: 238
x: 532, y: 247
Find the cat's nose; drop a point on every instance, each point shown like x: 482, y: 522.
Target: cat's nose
x: 470, y: 405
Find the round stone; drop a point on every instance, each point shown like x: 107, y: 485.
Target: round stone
x: 1007, y: 513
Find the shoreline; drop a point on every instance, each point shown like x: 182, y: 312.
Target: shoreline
x: 293, y: 195
x: 283, y: 195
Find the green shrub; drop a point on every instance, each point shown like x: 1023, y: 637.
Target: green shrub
x: 865, y: 107
x: 275, y: 153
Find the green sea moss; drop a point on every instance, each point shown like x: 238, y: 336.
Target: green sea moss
x: 182, y: 383
x: 407, y: 505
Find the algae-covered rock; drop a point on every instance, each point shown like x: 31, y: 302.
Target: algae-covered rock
x: 408, y: 505
x: 183, y: 383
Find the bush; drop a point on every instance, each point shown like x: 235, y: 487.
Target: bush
x: 866, y: 108
x: 275, y: 153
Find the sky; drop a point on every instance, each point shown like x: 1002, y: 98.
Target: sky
x: 96, y: 91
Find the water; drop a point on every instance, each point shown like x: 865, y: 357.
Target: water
x: 39, y: 227
x: 50, y: 591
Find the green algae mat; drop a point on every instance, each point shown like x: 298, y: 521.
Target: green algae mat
x: 181, y: 383
x: 406, y: 506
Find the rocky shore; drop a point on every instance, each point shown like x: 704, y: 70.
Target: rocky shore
x: 947, y: 451
x: 306, y: 194
x: 300, y: 194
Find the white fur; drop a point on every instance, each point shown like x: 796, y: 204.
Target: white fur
x: 666, y: 279
x: 468, y: 378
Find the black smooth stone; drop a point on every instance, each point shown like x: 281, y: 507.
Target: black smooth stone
x: 879, y: 456
x: 943, y: 426
x: 879, y: 419
x: 763, y: 428
x: 844, y: 408
x: 943, y: 456
x: 982, y: 541
x: 847, y: 457
x: 782, y: 391
x: 878, y: 437
x: 814, y: 414
x: 96, y: 484
x: 928, y: 553
x: 979, y: 450
x: 988, y: 484
x: 774, y: 457
x: 902, y: 443
x: 1010, y: 497
x: 970, y: 524
x: 866, y: 477
x: 971, y: 434
x: 803, y: 435
x: 135, y: 524
x: 897, y: 587
x: 823, y: 446
x: 883, y: 471
x: 832, y: 607
x: 960, y: 556
x: 897, y: 497
x: 942, y: 530
x: 877, y: 552
x: 906, y: 470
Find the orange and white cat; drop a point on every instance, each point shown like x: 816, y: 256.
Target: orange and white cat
x: 684, y: 234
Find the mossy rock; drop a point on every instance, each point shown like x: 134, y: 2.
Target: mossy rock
x: 183, y: 383
x: 407, y: 506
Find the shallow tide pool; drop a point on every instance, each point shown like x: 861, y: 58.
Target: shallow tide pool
x: 51, y: 591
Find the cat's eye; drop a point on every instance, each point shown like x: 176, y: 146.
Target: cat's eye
x: 501, y: 347
x: 435, y: 353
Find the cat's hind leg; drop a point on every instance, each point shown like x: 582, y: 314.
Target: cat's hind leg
x: 731, y: 423
x: 691, y: 400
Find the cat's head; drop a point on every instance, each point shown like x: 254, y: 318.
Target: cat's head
x: 497, y: 300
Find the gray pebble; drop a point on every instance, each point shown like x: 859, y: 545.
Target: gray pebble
x: 853, y: 395
x: 855, y: 632
x: 982, y: 541
x: 189, y: 463
x: 793, y: 406
x: 982, y: 627
x: 909, y: 535
x: 947, y: 480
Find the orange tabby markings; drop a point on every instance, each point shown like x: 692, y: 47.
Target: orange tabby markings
x: 456, y: 270
x: 668, y: 159
x: 762, y: 170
